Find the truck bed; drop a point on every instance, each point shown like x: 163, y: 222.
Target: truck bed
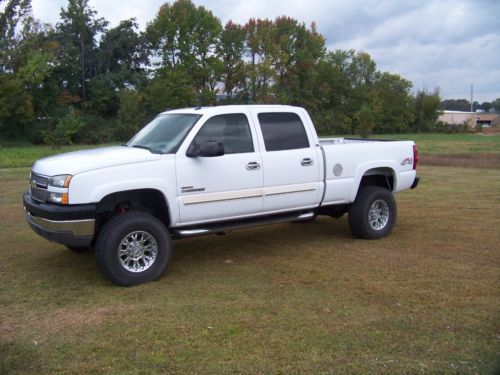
x: 342, y: 141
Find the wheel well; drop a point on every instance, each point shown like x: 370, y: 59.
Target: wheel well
x: 151, y: 201
x: 383, y: 177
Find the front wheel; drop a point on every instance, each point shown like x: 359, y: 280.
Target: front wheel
x: 133, y: 248
x: 373, y: 213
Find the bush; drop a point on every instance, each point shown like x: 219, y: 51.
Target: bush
x: 364, y: 122
x: 65, y: 129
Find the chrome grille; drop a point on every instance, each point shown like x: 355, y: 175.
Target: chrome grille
x: 38, y: 187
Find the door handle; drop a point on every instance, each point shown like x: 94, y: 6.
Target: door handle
x: 253, y: 165
x: 306, y: 162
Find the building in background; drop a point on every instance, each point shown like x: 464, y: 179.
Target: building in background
x: 472, y: 119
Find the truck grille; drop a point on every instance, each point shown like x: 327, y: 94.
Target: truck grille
x: 38, y: 187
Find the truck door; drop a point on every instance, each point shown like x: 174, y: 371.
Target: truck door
x: 221, y: 187
x: 291, y: 163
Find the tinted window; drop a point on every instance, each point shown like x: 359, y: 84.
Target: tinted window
x: 282, y: 131
x: 231, y: 130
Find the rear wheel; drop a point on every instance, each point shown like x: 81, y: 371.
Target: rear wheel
x: 373, y: 213
x: 133, y: 248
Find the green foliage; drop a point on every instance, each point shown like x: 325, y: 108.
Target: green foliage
x: 16, y: 109
x: 131, y: 114
x: 426, y: 110
x: 456, y: 105
x: 115, y: 79
x: 365, y: 121
x: 65, y: 130
x: 391, y: 103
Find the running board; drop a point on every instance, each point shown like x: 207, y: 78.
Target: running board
x: 222, y: 228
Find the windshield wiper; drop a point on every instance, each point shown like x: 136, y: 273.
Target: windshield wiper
x: 147, y: 148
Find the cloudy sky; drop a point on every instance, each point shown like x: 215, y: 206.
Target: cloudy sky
x: 434, y: 43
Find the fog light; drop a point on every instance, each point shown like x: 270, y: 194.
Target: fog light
x: 58, y: 198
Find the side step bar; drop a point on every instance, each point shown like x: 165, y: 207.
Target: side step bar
x: 222, y: 228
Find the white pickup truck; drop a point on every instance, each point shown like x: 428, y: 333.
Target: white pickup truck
x: 211, y: 170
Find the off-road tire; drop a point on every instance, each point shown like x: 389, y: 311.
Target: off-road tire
x: 109, y: 241
x: 359, y: 213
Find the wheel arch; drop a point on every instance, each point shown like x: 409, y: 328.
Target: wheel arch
x: 152, y: 201
x: 382, y: 176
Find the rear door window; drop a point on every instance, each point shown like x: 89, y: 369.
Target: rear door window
x: 283, y: 131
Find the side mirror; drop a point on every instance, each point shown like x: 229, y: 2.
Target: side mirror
x: 205, y: 149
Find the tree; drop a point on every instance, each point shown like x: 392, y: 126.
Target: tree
x: 77, y: 34
x: 495, y: 105
x: 230, y: 51
x: 14, y: 13
x: 365, y: 121
x: 184, y: 37
x: 16, y: 109
x: 456, y: 105
x: 427, y: 105
x: 485, y: 106
x: 391, y: 103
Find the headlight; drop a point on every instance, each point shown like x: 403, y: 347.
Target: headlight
x: 58, y: 198
x: 61, y: 181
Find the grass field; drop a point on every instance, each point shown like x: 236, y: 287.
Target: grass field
x: 432, y: 144
x: 24, y: 156
x: 461, y: 149
x: 287, y: 298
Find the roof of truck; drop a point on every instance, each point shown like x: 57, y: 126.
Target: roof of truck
x: 229, y: 108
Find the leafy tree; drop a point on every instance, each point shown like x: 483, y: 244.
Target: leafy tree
x: 230, y: 51
x: 259, y: 71
x: 65, y: 129
x: 391, y: 103
x: 486, y: 106
x: 170, y: 88
x: 77, y: 34
x: 365, y: 121
x: 456, y: 105
x: 16, y: 109
x: 495, y: 105
x: 131, y: 115
x: 184, y: 37
x: 122, y: 51
x: 11, y: 18
x: 426, y: 110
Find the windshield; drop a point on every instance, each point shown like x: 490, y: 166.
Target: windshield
x: 165, y: 133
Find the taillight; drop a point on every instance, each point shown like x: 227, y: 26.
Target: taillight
x: 415, y: 157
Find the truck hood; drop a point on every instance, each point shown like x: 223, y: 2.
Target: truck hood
x: 87, y: 160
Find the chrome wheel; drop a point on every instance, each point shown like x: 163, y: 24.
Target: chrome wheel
x: 378, y: 215
x: 137, y: 251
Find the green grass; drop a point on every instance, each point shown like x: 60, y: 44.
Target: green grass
x: 25, y: 156
x: 431, y: 144
x: 287, y: 298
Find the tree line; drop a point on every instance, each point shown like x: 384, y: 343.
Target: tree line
x: 81, y: 81
x: 464, y: 105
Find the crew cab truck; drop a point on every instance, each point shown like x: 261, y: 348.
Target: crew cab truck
x: 212, y: 170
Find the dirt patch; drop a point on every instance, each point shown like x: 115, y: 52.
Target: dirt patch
x: 479, y: 160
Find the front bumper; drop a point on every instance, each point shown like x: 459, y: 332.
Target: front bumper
x: 68, y: 225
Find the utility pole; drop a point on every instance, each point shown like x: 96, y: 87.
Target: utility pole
x: 471, y: 97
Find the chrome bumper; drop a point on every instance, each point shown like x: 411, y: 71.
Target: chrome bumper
x: 68, y: 232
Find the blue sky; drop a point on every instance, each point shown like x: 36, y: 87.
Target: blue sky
x: 445, y: 43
